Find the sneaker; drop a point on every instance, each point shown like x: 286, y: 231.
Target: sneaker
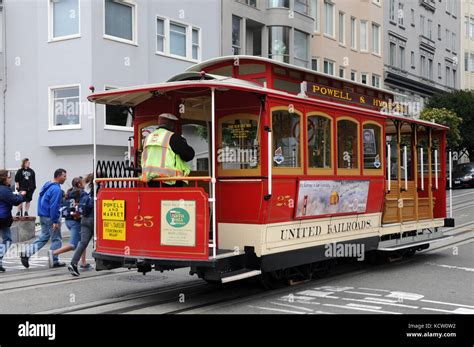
x: 50, y: 259
x: 26, y: 214
x: 2, y: 269
x: 59, y: 264
x: 24, y: 261
x: 86, y: 266
x: 73, y: 270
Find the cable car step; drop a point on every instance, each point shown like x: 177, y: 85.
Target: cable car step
x: 239, y: 275
x: 398, y: 246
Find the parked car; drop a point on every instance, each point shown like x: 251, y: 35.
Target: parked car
x: 463, y: 175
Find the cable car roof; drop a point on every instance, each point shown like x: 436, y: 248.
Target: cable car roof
x: 133, y: 96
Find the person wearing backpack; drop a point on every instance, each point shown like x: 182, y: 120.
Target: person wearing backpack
x: 49, y: 205
x: 7, y: 200
x: 71, y: 213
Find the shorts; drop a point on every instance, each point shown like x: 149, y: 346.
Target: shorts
x: 29, y: 195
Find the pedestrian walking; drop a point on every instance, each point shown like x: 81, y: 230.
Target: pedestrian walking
x: 87, y: 224
x: 25, y: 180
x: 7, y: 200
x: 49, y: 205
x: 72, y: 215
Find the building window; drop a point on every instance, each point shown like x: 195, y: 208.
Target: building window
x: 430, y: 29
x: 439, y: 31
x: 65, y: 107
x: 422, y: 24
x: 363, y: 36
x: 376, y: 39
x: 178, y: 39
x: 1, y: 29
x: 439, y: 70
x: 301, y: 48
x: 447, y: 36
x: 315, y: 14
x: 371, y: 138
x: 117, y: 117
x: 393, y: 58
x: 392, y: 10
x: 252, y: 3
x: 430, y: 69
x: 315, y: 64
x: 236, y: 30
x: 328, y: 67
x: 412, y: 59
x: 286, y: 129
x: 64, y: 19
x: 376, y: 81
x: 329, y: 19
x: 353, y: 33
x: 412, y: 17
x: 422, y: 66
x: 120, y: 20
x: 402, y: 57
x: 160, y: 35
x: 347, y: 144
x: 319, y: 142
x: 342, y: 30
x: 453, y: 47
x: 278, y: 43
x: 454, y: 78
x: 279, y: 3
x: 301, y: 6
x: 364, y: 78
x: 354, y: 76
x: 401, y: 14
x: 342, y: 72
x: 448, y: 76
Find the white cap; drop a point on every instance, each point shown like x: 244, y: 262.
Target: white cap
x: 168, y: 116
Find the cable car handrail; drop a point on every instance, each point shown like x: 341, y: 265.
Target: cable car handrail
x: 137, y: 179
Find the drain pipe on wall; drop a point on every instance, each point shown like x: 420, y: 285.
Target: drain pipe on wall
x: 4, y: 113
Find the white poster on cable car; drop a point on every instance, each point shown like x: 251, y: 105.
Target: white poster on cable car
x: 318, y: 198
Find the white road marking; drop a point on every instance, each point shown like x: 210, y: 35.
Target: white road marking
x: 322, y: 312
x: 380, y: 303
x: 375, y: 290
x: 360, y: 293
x: 404, y: 296
x: 277, y: 310
x: 463, y: 310
x: 365, y: 306
x: 292, y: 306
x: 315, y: 293
x: 447, y: 303
x: 436, y: 309
x: 469, y: 269
x: 382, y: 300
x: 295, y: 297
x: 457, y: 196
x: 360, y: 309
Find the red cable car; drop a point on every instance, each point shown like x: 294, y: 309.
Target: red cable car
x: 293, y: 169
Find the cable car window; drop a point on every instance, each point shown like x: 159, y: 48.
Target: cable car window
x: 371, y: 138
x: 286, y: 139
x: 347, y: 144
x: 406, y: 140
x: 319, y: 142
x: 238, y: 147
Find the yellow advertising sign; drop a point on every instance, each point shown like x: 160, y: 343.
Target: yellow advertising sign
x: 113, y: 210
x: 114, y: 230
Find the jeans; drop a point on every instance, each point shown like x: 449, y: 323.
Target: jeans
x: 87, y: 231
x: 46, y: 234
x: 6, y: 241
x: 74, y: 227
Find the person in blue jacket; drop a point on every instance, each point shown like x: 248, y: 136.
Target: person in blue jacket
x: 87, y: 224
x: 49, y: 205
x: 7, y: 201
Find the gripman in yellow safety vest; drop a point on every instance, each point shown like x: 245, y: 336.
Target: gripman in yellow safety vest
x: 165, y: 153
